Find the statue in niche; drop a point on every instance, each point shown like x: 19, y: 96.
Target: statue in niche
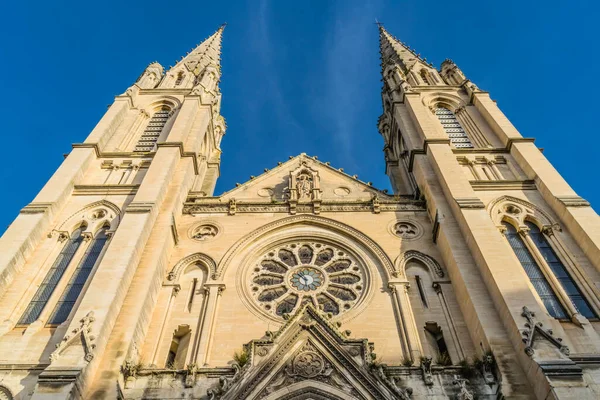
x: 304, y: 186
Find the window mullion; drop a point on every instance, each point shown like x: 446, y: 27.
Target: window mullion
x: 547, y: 271
x: 589, y: 291
x: 64, y: 280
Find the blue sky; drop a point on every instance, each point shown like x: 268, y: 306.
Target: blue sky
x: 297, y: 76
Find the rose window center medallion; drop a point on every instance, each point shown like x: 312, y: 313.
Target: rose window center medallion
x: 307, y: 279
x: 292, y: 275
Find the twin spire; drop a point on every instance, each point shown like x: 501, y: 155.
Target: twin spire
x: 208, y: 52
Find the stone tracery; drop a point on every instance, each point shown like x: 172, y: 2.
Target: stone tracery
x: 299, y: 273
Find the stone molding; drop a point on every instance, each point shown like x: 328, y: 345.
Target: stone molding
x: 573, y: 201
x: 203, y: 259
x: 91, y: 190
x: 503, y: 185
x: 400, y: 264
x: 139, y: 207
x: 36, y: 208
x: 284, y: 207
x: 469, y: 202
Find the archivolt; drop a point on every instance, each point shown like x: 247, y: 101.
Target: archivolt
x: 201, y: 258
x: 434, y: 267
x: 531, y: 211
x: 450, y: 101
x: 82, y: 215
x: 309, y: 220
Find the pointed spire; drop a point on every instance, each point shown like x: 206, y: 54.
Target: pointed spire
x: 394, y: 50
x: 205, y: 53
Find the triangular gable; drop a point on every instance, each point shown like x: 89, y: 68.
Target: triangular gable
x: 274, y: 185
x: 309, y: 355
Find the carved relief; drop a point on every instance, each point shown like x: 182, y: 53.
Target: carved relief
x: 290, y: 276
x: 534, y: 329
x: 205, y: 232
x: 86, y: 339
x: 408, y: 230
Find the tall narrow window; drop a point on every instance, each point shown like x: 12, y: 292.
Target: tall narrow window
x: 180, y: 77
x: 425, y: 77
x: 454, y: 130
x: 559, y: 270
x: 421, y: 291
x: 534, y: 272
x: 41, y: 297
x: 80, y: 275
x: 152, y: 131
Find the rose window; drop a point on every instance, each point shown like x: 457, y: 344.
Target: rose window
x: 295, y: 274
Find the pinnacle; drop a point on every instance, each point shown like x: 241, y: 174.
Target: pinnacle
x: 402, y: 51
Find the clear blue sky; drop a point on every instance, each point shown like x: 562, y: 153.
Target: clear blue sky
x: 297, y: 76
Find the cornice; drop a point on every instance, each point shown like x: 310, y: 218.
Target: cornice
x: 36, y: 208
x: 469, y: 202
x: 426, y: 143
x: 212, y: 206
x: 82, y: 190
x: 503, y: 185
x: 573, y: 201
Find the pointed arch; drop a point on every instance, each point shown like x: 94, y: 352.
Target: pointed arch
x: 434, y: 267
x: 92, y: 216
x: 5, y: 394
x: 197, y: 258
x: 521, y: 211
x: 314, y: 220
x: 447, y: 100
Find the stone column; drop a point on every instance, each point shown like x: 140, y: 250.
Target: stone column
x: 449, y: 321
x: 405, y: 312
x: 202, y: 351
x: 165, y: 319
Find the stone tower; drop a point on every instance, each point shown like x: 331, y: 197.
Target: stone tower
x: 127, y: 278
x: 521, y: 247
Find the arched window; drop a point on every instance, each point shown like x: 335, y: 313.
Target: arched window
x: 535, y: 274
x: 41, y: 297
x: 153, y: 131
x: 454, y: 130
x: 559, y: 270
x: 80, y: 275
x: 425, y: 77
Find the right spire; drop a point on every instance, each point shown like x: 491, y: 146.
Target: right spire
x: 393, y: 50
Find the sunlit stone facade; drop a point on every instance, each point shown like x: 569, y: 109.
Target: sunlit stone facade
x: 477, y: 278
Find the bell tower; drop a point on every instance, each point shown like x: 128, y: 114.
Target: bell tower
x: 109, y: 215
x: 502, y: 217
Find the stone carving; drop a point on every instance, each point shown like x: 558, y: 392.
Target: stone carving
x: 309, y: 363
x: 232, y: 207
x: 465, y: 393
x: 533, y: 329
x: 86, y: 339
x: 297, y: 273
x: 487, y: 368
x: 190, y: 375
x: 426, y: 368
x: 406, y: 230
x: 304, y: 186
x: 204, y: 232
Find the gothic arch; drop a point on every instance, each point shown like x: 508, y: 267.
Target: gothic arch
x: 94, y: 216
x: 308, y: 390
x: 434, y: 267
x: 326, y: 223
x: 5, y: 394
x: 447, y: 100
x: 517, y: 212
x: 205, y: 261
x: 165, y: 101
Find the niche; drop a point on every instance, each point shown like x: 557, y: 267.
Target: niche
x: 436, y: 341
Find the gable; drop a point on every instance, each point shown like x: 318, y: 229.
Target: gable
x: 274, y: 185
x: 309, y: 355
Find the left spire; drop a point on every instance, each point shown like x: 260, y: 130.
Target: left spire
x: 206, y: 55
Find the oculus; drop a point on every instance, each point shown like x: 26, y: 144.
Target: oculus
x: 289, y: 276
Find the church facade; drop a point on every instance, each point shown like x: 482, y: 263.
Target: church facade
x: 477, y: 278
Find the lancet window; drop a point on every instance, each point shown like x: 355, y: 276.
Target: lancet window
x: 41, y: 297
x: 559, y: 271
x: 78, y: 279
x: 153, y: 131
x: 535, y: 272
x: 453, y: 128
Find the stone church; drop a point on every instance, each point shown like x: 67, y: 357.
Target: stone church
x: 477, y: 278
